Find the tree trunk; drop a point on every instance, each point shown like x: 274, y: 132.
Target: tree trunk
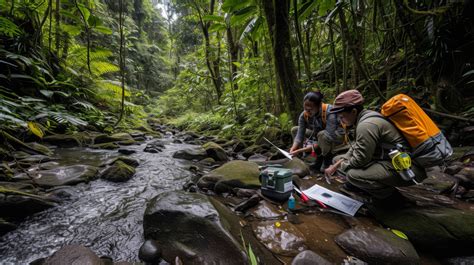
x: 356, y: 53
x: 211, y: 66
x: 57, y: 16
x: 121, y: 60
x: 282, y: 54
x: 300, y: 42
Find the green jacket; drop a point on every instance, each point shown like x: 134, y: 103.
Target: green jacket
x: 371, y: 133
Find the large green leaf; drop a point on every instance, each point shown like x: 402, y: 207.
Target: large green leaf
x: 241, y: 16
x: 103, y: 30
x: 232, y: 5
x: 8, y: 28
x: 306, y: 9
x: 213, y: 18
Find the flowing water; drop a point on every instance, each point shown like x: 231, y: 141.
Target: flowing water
x: 104, y: 216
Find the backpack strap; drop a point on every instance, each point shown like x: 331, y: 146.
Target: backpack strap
x: 324, y: 112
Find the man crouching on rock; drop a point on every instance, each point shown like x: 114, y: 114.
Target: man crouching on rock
x: 366, y: 164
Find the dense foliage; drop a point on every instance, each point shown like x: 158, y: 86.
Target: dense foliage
x: 228, y: 67
x: 60, y: 65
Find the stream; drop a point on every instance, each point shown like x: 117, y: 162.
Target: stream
x: 107, y: 217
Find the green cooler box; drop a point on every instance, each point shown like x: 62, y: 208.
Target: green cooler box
x: 277, y: 183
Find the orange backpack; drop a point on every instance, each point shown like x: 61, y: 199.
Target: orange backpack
x: 429, y: 146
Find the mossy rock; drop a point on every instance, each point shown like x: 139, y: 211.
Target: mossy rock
x: 117, y: 137
x: 273, y: 134
x: 69, y: 140
x: 118, y: 172
x: 215, y: 151
x: 377, y: 246
x: 127, y: 160
x: 107, y: 146
x: 41, y: 149
x: 234, y: 174
x: 445, y: 231
x: 253, y: 149
x: 128, y: 142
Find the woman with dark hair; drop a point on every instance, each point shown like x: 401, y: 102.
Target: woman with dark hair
x: 320, y: 128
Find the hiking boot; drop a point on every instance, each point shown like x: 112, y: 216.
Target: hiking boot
x: 352, y: 188
x: 327, y: 161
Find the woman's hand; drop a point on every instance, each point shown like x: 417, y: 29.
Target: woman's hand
x: 301, y: 150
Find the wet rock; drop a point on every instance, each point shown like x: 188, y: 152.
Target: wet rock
x: 177, y: 141
x: 73, y: 254
x: 266, y: 210
x: 444, y: 231
x: 248, y: 203
x: 253, y: 149
x: 106, y: 146
x: 297, y: 166
x: 127, y: 160
x: 19, y: 204
x: 34, y: 159
x: 453, y: 169
x: 257, y: 158
x: 126, y: 151
x: 280, y: 237
x: 215, y: 151
x: 117, y: 137
x: 236, y: 145
x: 188, y: 226
x: 118, y: 172
x: 197, y: 153
x: 154, y: 147
x: 377, y: 246
x: 468, y: 172
x: 439, y: 182
x: 459, y: 261
x: 69, y: 175
x: 244, y: 192
x: 127, y: 142
x: 234, y: 174
x: 67, y: 140
x: 41, y: 149
x: 208, y: 161
x: 308, y: 257
x: 150, y: 252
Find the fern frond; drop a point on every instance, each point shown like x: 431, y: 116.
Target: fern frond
x: 8, y: 28
x: 100, y: 67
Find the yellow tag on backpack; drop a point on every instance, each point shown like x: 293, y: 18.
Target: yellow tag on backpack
x: 428, y: 144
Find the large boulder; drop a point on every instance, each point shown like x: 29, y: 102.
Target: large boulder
x: 444, y: 231
x: 438, y: 182
x: 68, y: 175
x: 234, y: 174
x: 215, y: 151
x: 377, y: 246
x: 18, y: 204
x: 188, y: 226
x: 73, y: 254
x: 118, y: 172
x: 197, y: 153
x: 69, y: 140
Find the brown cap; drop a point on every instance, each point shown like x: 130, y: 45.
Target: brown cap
x: 346, y: 99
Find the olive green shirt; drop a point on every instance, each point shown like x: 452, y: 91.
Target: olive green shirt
x: 369, y: 140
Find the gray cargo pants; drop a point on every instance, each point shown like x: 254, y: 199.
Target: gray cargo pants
x: 324, y: 141
x: 379, y: 178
